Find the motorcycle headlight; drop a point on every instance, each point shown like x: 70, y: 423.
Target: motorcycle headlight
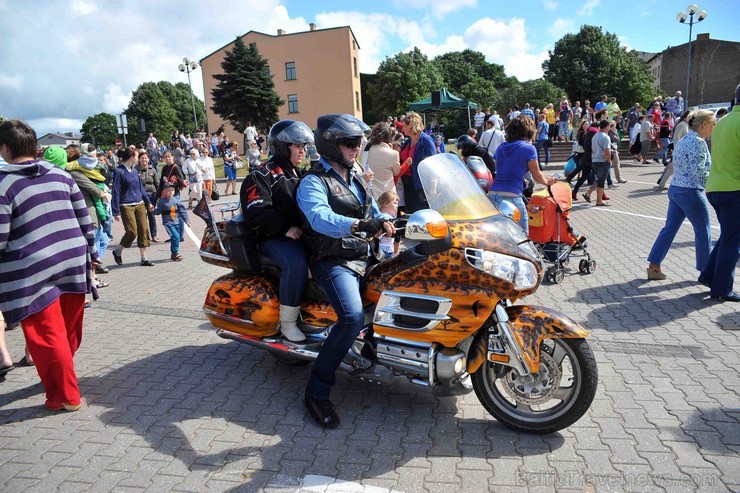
x: 521, y: 273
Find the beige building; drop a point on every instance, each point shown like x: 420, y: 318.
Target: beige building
x: 315, y: 72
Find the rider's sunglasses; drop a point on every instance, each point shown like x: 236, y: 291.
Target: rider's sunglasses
x: 350, y: 142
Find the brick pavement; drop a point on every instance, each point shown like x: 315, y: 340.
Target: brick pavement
x: 172, y: 407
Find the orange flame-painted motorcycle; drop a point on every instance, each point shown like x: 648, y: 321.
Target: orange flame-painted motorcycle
x: 438, y: 315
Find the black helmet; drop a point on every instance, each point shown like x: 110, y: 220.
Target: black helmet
x: 330, y: 129
x: 287, y: 132
x: 466, y: 144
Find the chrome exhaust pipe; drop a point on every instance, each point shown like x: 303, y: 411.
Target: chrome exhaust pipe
x: 307, y: 351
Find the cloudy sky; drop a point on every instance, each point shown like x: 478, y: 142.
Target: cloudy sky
x: 64, y: 60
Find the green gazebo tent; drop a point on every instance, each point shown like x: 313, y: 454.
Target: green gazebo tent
x: 447, y: 101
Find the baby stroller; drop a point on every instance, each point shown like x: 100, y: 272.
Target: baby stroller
x: 548, y: 212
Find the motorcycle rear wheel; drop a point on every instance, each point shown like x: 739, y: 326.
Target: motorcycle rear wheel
x: 553, y: 399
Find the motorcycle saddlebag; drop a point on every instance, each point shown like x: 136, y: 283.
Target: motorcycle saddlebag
x: 243, y: 249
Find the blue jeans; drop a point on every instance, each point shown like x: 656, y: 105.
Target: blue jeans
x: 685, y: 203
x: 661, y: 154
x: 539, y: 145
x: 601, y: 168
x: 563, y: 129
x: 517, y: 202
x: 290, y: 255
x: 173, y: 229
x: 720, y: 268
x: 101, y: 241
x: 342, y: 287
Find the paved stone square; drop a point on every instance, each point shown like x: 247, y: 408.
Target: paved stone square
x: 169, y: 406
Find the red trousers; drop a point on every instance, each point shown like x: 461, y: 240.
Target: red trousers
x: 53, y: 336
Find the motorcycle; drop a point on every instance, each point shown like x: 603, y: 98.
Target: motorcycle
x: 439, y: 315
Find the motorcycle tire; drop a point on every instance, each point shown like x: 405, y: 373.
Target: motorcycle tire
x: 503, y: 392
x: 290, y: 360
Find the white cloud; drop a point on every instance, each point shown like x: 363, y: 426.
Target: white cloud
x: 14, y: 82
x: 550, y: 4
x: 623, y: 43
x: 561, y: 27
x: 55, y: 125
x: 588, y: 7
x: 439, y: 9
x: 505, y: 43
x: 83, y: 8
x: 115, y: 100
x: 373, y: 33
x: 452, y: 43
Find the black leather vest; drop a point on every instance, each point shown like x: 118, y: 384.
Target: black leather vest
x: 349, y: 251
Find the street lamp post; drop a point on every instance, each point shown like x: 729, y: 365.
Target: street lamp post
x: 691, y: 10
x: 189, y: 65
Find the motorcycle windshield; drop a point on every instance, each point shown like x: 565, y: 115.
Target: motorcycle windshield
x: 451, y: 189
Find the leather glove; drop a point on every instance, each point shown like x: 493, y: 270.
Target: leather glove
x: 371, y: 226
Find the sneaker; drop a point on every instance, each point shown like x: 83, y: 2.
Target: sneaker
x: 622, y: 181
x: 605, y: 197
x: 322, y: 411
x: 655, y: 275
x: 117, y: 257
x: 146, y: 263
x: 612, y: 186
x: 101, y: 270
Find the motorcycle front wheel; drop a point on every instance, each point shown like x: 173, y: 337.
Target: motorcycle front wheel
x: 550, y: 400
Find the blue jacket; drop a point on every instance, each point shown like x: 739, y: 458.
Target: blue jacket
x: 127, y: 189
x: 424, y: 148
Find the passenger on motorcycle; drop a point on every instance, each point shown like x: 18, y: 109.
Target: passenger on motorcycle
x: 337, y: 205
x: 269, y: 207
x: 469, y: 147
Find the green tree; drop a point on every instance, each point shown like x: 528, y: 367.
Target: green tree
x: 150, y: 103
x: 102, y: 127
x: 401, y: 80
x: 592, y: 62
x: 537, y: 93
x: 459, y: 68
x: 245, y: 91
x: 179, y: 97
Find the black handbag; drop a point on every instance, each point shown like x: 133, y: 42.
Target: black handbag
x: 215, y: 195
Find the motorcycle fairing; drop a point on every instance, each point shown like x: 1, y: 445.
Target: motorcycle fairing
x: 530, y: 326
x: 246, y: 304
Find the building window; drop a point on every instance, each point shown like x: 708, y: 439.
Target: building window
x: 354, y: 45
x: 357, y: 100
x: 354, y: 59
x: 292, y: 103
x: 290, y: 71
x: 267, y: 71
x: 253, y: 46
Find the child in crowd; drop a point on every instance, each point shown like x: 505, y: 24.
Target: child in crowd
x: 172, y: 212
x: 388, y: 204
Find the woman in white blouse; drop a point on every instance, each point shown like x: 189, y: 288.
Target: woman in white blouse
x: 383, y: 160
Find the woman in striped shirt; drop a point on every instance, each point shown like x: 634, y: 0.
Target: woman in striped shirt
x: 47, y: 252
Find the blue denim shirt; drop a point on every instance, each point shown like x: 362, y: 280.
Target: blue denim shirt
x: 314, y: 203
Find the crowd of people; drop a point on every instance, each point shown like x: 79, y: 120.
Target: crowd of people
x: 312, y: 216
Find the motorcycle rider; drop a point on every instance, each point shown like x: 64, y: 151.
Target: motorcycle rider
x: 337, y: 205
x: 269, y: 207
x: 469, y: 147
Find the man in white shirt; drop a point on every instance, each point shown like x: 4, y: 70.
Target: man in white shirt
x: 250, y: 133
x: 491, y: 138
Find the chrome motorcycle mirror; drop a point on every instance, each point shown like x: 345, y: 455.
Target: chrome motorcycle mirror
x: 426, y: 225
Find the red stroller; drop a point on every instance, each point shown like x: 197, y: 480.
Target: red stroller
x: 548, y: 212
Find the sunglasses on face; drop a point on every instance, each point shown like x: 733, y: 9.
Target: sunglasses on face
x: 350, y: 142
